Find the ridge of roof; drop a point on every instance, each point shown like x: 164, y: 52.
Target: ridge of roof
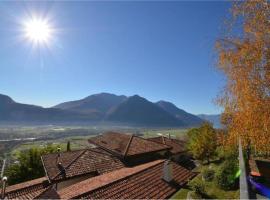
x: 76, y: 158
x: 163, y: 140
x: 103, y: 180
x: 127, y: 147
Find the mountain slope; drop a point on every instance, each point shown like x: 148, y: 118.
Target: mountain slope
x: 13, y: 111
x: 97, y: 103
x: 214, y: 119
x: 139, y: 111
x: 185, y: 117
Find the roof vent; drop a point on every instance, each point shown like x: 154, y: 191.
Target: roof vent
x: 167, y: 171
x: 4, y: 180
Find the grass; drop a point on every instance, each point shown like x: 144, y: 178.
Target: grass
x: 211, y: 188
x: 177, y: 133
x: 76, y: 142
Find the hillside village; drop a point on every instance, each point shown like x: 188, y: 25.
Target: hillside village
x: 119, y: 166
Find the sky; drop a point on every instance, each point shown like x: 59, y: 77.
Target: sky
x: 156, y: 49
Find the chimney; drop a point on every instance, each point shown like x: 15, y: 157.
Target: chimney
x: 4, y: 180
x: 168, y: 171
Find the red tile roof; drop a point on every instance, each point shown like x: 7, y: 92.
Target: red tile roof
x: 125, y: 145
x: 140, y: 182
x: 75, y: 163
x: 28, y: 189
x: 178, y: 146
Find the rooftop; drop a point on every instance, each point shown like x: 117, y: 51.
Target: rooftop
x: 28, y: 189
x: 75, y: 163
x: 139, y: 182
x: 126, y: 145
x: 178, y: 146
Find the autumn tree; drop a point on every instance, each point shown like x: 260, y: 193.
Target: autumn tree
x: 202, y: 142
x: 244, y: 58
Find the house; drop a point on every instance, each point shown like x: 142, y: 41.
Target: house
x: 120, y: 166
x: 28, y: 189
x: 66, y: 168
x: 131, y: 149
x: 178, y: 151
x: 145, y: 181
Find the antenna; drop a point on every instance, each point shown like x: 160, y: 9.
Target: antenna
x: 58, y: 155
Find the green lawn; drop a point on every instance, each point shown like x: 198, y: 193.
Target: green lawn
x: 77, y: 142
x: 212, y: 190
x: 178, y: 133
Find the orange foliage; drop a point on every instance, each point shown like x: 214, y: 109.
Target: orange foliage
x: 244, y: 58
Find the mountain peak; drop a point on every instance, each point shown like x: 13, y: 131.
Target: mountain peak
x: 4, y: 99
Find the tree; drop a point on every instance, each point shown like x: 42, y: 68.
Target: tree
x: 244, y: 58
x: 227, y: 174
x: 29, y: 165
x: 202, y: 142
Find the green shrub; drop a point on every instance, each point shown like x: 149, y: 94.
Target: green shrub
x: 208, y: 174
x: 226, y: 174
x: 198, y: 188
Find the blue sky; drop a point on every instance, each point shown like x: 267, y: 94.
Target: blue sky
x: 159, y: 50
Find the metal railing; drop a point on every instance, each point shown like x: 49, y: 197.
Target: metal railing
x: 244, y: 189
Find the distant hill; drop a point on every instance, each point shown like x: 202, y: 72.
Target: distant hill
x: 98, y: 104
x: 139, y: 111
x: 185, y: 117
x: 13, y: 111
x: 103, y: 107
x: 214, y: 119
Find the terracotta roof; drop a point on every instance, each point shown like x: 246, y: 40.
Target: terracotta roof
x: 178, y: 146
x: 49, y: 193
x: 125, y: 145
x: 75, y: 163
x: 28, y: 189
x: 140, y: 182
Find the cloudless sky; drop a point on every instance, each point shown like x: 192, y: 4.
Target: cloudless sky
x: 158, y: 50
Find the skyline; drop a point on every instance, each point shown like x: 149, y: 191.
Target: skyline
x: 158, y: 53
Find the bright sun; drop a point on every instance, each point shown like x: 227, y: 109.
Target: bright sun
x: 38, y: 30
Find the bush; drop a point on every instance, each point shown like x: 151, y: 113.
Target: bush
x: 208, y: 174
x: 198, y: 188
x: 29, y: 165
x: 226, y: 175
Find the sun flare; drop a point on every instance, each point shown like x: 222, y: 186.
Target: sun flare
x: 38, y: 30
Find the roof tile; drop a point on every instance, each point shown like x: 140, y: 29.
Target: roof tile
x: 126, y: 145
x: 140, y: 182
x: 178, y: 146
x: 80, y: 162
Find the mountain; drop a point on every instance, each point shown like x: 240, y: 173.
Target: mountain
x: 13, y: 111
x: 99, y: 104
x: 103, y: 107
x: 139, y: 111
x: 214, y: 119
x: 185, y: 117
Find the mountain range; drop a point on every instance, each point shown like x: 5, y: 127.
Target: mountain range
x: 101, y: 108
